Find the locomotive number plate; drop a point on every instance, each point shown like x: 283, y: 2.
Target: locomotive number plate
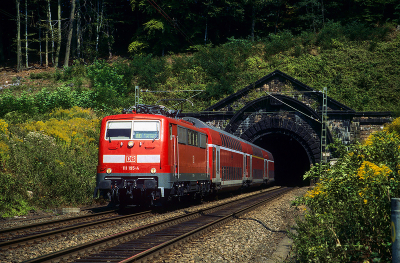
x: 131, y: 158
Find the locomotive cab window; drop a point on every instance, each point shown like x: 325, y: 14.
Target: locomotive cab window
x: 119, y: 130
x: 126, y: 130
x: 146, y: 130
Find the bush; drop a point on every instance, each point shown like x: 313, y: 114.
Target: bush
x: 77, y: 70
x: 4, y: 149
x: 54, y: 159
x: 107, y: 84
x: 13, y: 198
x: 279, y: 42
x: 348, y: 211
x: 149, y: 72
x: 41, y: 75
x: 44, y: 101
x: 62, y: 97
x: 240, y: 48
x: 54, y: 173
x: 333, y: 31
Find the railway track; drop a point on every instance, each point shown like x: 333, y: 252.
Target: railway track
x: 28, y: 234
x: 143, y: 243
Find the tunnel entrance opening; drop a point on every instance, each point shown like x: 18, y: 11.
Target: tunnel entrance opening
x: 291, y: 160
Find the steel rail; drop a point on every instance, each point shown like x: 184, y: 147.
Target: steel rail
x: 41, y: 236
x: 52, y: 222
x: 126, y: 236
x: 157, y: 250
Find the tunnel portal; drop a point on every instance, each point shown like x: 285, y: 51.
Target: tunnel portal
x: 291, y: 159
x: 285, y: 116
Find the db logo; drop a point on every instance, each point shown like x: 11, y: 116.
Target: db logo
x: 131, y: 159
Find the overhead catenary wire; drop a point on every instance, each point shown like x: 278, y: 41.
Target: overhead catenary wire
x: 171, y: 21
x: 176, y: 26
x: 309, y: 116
x: 169, y: 91
x: 174, y: 23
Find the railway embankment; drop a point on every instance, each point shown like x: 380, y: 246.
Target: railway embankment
x: 258, y: 236
x: 250, y: 237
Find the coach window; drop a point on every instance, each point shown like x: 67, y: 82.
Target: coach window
x: 193, y: 138
x: 244, y: 163
x: 203, y: 140
x: 189, y: 136
x: 118, y: 130
x: 182, y: 135
x: 224, y: 140
x: 146, y: 130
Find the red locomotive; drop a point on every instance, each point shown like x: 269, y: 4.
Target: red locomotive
x: 145, y: 156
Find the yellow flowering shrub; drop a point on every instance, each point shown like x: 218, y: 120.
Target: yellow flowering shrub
x: 348, y: 210
x: 369, y: 170
x: 54, y: 158
x: 3, y: 127
x: 74, y: 112
x: 75, y: 127
x: 4, y: 149
x: 394, y: 126
x: 318, y: 190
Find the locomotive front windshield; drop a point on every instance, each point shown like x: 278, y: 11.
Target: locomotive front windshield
x: 126, y: 130
x: 145, y: 129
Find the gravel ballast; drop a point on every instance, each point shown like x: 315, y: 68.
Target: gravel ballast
x: 254, y: 237
x: 251, y: 238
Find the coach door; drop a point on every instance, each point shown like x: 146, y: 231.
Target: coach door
x: 247, y: 166
x: 216, y: 163
x: 251, y: 167
x: 265, y: 169
x: 174, y: 150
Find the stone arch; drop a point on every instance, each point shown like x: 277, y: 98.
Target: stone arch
x: 285, y: 127
x: 277, y: 113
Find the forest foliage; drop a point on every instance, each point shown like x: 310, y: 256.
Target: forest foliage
x: 46, y: 31
x: 347, y: 214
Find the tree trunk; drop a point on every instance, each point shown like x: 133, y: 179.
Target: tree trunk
x: 71, y: 29
x: 205, y: 34
x: 109, y: 43
x: 277, y: 18
x: 2, y: 58
x: 313, y: 19
x: 47, y: 47
x: 26, y: 34
x: 51, y: 31
x: 99, y: 22
x: 253, y: 21
x: 59, y: 34
x: 19, y: 52
x: 323, y: 17
x: 40, y: 42
x: 78, y: 32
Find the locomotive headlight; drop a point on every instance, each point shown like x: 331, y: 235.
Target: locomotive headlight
x: 153, y: 170
x: 109, y: 170
x: 130, y: 144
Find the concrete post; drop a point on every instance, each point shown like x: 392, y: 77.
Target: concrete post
x: 395, y: 223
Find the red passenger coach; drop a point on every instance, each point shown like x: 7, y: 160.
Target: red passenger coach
x: 234, y: 163
x: 145, y: 156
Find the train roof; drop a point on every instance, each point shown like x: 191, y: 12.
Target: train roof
x: 200, y: 124
x: 129, y: 116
